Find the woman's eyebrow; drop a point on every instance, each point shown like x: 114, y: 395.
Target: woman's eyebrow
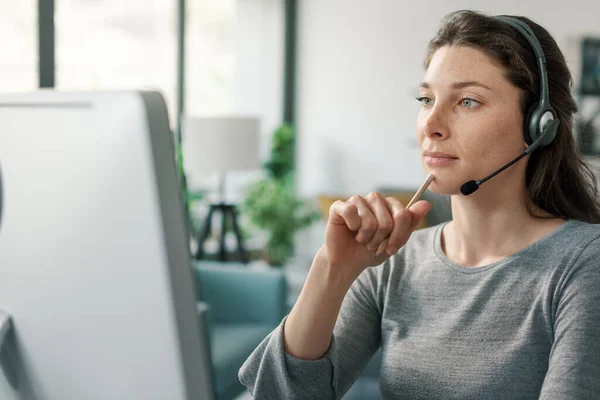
x: 459, y: 85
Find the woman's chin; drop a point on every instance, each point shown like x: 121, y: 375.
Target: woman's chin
x: 445, y: 186
x: 447, y: 181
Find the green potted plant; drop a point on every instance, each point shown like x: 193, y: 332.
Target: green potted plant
x: 272, y: 203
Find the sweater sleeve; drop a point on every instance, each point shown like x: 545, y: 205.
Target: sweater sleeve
x: 574, y: 364
x: 271, y: 373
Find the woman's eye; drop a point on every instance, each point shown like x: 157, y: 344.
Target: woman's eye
x: 426, y: 101
x: 469, y: 103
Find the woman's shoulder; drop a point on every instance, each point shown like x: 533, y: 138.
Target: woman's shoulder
x: 578, y: 246
x: 574, y: 236
x: 572, y: 250
x: 582, y: 237
x: 581, y: 229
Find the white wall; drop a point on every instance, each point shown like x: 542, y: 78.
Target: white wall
x: 360, y: 64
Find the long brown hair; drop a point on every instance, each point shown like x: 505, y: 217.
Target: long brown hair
x: 558, y: 179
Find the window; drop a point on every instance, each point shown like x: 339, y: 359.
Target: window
x: 115, y: 45
x: 18, y: 46
x: 210, y: 37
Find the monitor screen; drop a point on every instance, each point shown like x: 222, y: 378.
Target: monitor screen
x: 95, y: 270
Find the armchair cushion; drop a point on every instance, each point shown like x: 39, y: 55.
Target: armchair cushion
x: 239, y: 294
x: 238, y: 306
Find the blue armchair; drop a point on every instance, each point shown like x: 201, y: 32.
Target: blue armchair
x: 239, y: 306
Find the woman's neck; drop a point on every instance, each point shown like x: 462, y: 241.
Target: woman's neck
x: 492, y: 225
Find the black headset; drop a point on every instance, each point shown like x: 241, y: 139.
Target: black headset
x: 541, y: 121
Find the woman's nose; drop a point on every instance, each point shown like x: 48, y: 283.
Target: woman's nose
x: 434, y: 125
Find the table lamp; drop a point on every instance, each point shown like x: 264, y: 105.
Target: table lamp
x: 220, y: 144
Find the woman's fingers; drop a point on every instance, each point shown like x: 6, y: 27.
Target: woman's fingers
x: 401, y: 230
x: 382, y: 214
x: 369, y: 223
x: 342, y: 212
x: 418, y: 212
x: 382, y: 224
x: 405, y: 222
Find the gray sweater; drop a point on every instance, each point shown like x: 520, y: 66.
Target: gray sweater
x: 525, y: 327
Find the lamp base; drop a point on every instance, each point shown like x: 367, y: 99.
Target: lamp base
x: 227, y: 211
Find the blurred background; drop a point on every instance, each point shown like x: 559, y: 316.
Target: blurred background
x: 277, y: 109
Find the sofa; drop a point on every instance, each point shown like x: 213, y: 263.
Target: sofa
x: 238, y: 307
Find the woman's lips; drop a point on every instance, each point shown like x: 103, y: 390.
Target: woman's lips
x: 437, y: 159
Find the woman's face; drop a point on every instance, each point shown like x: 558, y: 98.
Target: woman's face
x: 470, y: 113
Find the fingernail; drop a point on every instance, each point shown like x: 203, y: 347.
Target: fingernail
x: 391, y: 250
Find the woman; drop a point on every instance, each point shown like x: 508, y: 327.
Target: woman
x: 501, y: 302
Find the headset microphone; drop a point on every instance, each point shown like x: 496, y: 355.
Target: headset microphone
x: 471, y: 186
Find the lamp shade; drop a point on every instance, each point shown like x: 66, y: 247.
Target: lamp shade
x: 220, y: 144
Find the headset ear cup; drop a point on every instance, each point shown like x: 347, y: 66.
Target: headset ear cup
x: 527, y: 131
x: 550, y: 130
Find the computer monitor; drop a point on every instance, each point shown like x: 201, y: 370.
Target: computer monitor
x: 95, y: 268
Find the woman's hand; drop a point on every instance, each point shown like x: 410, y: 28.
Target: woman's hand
x: 355, y: 230
x: 357, y: 227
